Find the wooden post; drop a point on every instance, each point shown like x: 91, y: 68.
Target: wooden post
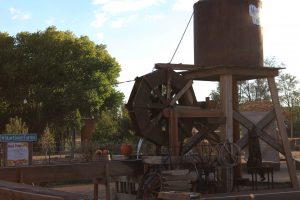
x: 227, y: 107
x: 173, y: 133
x: 283, y: 133
x: 96, y: 191
x: 30, y: 150
x: 236, y: 126
x: 107, y: 178
x: 4, y: 146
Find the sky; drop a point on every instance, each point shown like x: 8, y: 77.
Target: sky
x: 140, y: 33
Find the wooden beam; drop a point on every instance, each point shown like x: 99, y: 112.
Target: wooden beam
x: 239, y: 72
x: 173, y: 133
x: 181, y: 92
x: 36, y: 192
x: 191, y: 112
x: 178, y: 195
x: 258, y: 128
x: 268, y: 118
x: 243, y: 120
x: 191, y: 142
x: 283, y: 133
x: 242, y: 142
x: 226, y: 102
x: 79, y: 171
x: 270, y: 141
x: 107, y: 179
x: 9, y: 194
x: 174, y: 66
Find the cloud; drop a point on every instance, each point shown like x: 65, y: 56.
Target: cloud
x: 121, y: 22
x: 100, y: 19
x: 183, y: 5
x: 112, y: 9
x: 119, y: 6
x: 18, y: 14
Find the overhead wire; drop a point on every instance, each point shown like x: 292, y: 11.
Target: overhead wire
x: 182, y: 37
x: 190, y: 19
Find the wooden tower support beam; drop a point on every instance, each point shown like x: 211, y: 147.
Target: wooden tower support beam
x: 227, y: 106
x: 283, y: 133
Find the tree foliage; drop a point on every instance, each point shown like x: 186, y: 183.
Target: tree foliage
x: 60, y: 76
x: 258, y: 89
x: 114, y: 128
x: 289, y: 96
x: 47, y: 141
x: 16, y: 125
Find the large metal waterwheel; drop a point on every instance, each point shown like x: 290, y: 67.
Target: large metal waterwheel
x: 150, y: 102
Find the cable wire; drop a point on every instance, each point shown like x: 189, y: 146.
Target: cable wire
x: 182, y: 37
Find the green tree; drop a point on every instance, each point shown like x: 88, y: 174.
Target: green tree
x: 61, y: 78
x: 16, y: 125
x: 47, y: 141
x: 289, y: 95
x: 114, y: 128
x: 258, y: 89
x: 106, y: 130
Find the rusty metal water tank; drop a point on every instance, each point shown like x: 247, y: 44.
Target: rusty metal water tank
x: 228, y: 32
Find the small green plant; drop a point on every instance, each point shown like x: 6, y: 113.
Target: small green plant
x: 16, y: 125
x: 47, y: 141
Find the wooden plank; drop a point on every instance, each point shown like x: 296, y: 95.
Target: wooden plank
x: 9, y: 194
x: 242, y: 142
x: 176, y: 182
x: 194, y: 112
x: 239, y: 72
x: 189, y: 177
x: 181, y: 92
x: 191, y: 142
x: 282, y: 131
x: 96, y: 191
x: 178, y: 195
x: 174, y: 66
x: 270, y: 141
x: 268, y: 118
x: 227, y: 107
x: 243, y: 120
x: 173, y: 133
x: 42, y: 191
x: 258, y: 128
x: 108, y: 180
x: 79, y: 171
x: 124, y: 196
x: 176, y: 172
x: 186, y: 187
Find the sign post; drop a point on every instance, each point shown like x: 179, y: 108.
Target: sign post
x: 17, y: 148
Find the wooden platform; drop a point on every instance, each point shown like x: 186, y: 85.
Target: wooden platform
x: 17, y: 191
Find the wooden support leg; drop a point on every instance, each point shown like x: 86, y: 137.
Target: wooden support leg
x: 227, y: 106
x: 95, y: 190
x: 282, y: 132
x: 107, y: 179
x: 173, y: 133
